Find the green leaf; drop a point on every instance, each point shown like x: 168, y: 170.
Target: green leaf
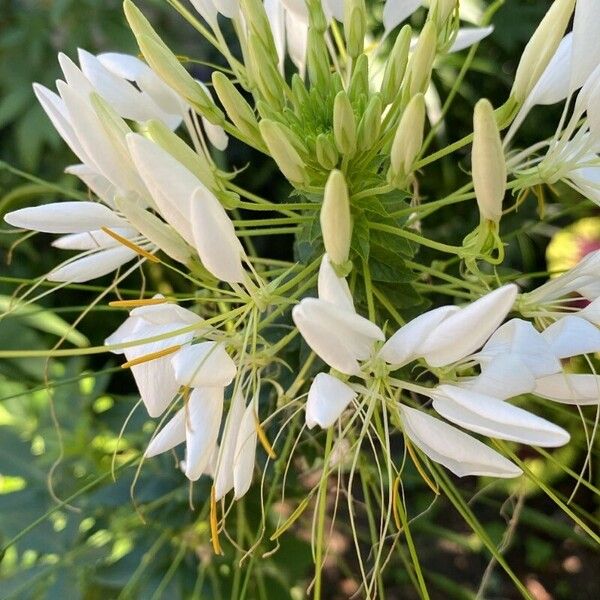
x: 360, y: 235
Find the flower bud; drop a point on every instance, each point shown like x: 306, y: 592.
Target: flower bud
x: 541, y: 47
x: 238, y: 110
x: 316, y: 16
x: 355, y: 26
x: 489, y: 166
x: 300, y: 95
x: 281, y: 148
x: 396, y: 66
x: 258, y: 24
x: 317, y: 59
x: 370, y: 124
x: 407, y: 141
x: 359, y: 83
x: 327, y: 153
x: 166, y: 65
x: 421, y: 62
x: 266, y: 73
x: 344, y: 124
x: 441, y: 11
x: 336, y: 221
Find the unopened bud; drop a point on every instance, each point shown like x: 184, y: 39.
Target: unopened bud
x: 421, y: 61
x: 265, y: 72
x: 355, y: 26
x: 258, y: 23
x: 407, y: 141
x: 300, y: 95
x: 396, y: 66
x: 359, y: 83
x: 327, y: 153
x: 441, y: 11
x: 541, y: 48
x: 370, y: 124
x: 317, y: 59
x: 166, y: 65
x: 489, y: 166
x: 336, y: 221
x: 316, y: 16
x: 281, y: 148
x: 344, y: 124
x: 238, y: 110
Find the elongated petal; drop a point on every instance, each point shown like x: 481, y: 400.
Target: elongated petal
x: 495, y: 418
x: 166, y: 314
x: 586, y: 41
x: 405, y: 344
x: 520, y: 339
x: 65, y: 217
x: 328, y: 397
x: 205, y: 409
x: 169, y: 182
x: 297, y: 42
x: 171, y: 435
x: 224, y: 475
x: 126, y: 66
x: 568, y: 388
x: 572, y: 336
x: 245, y: 452
x: 467, y: 36
x: 207, y: 10
x: 333, y: 288
x: 465, y: 331
x: 204, y: 365
x: 505, y: 376
x: 214, y: 237
x: 591, y: 312
x: 276, y: 15
x: 338, y: 336
x: 394, y: 12
x: 457, y: 451
x: 89, y: 240
x: 92, y: 266
x: 96, y: 182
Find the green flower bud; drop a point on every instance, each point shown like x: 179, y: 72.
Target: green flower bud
x: 441, y: 10
x: 277, y: 137
x: 336, y: 221
x: 407, y: 141
x: 541, y: 47
x: 344, y: 124
x: 317, y: 59
x: 300, y: 95
x: 166, y: 65
x: 421, y: 62
x: 489, y: 165
x: 238, y: 110
x: 258, y: 24
x: 396, y: 66
x: 370, y: 124
x: 266, y: 73
x: 359, y: 83
x: 316, y: 16
x: 327, y: 153
x: 355, y: 26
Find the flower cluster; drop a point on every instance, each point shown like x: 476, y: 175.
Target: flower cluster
x: 349, y: 130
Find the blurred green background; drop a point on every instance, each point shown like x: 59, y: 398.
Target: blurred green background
x: 97, y: 545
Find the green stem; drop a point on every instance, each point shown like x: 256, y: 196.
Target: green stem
x: 413, y: 237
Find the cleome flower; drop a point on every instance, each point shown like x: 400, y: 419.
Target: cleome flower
x: 444, y: 339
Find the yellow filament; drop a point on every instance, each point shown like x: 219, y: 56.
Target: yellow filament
x: 137, y: 249
x: 395, y: 503
x: 150, y: 356
x: 136, y: 303
x: 263, y: 439
x: 214, y: 528
x: 434, y: 488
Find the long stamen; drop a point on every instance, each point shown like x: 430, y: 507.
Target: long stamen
x: 136, y: 303
x: 263, y: 439
x: 214, y: 528
x: 434, y: 488
x: 137, y: 249
x: 151, y: 356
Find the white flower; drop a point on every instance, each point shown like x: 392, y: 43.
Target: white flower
x: 328, y: 397
x: 570, y: 388
x: 156, y: 379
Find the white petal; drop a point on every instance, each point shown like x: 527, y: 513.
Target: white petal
x: 591, y: 312
x: 467, y: 36
x: 586, y: 41
x: 404, y: 345
x: 205, y: 409
x: 224, y: 475
x: 216, y: 135
x: 214, y: 237
x: 245, y: 452
x: 97, y: 183
x: 276, y: 15
x: 228, y: 8
x: 335, y: 8
x: 465, y: 331
x: 332, y: 288
x: 553, y: 85
x: 171, y: 435
x: 495, y: 418
x: 65, y: 217
x: 169, y: 182
x: 166, y: 314
x: 297, y: 8
x: 126, y: 66
x: 328, y: 397
x: 204, y: 365
x: 457, y: 451
x: 338, y: 336
x: 95, y: 265
x: 572, y: 336
x: 297, y: 41
x: 570, y: 389
x: 207, y: 10
x: 505, y: 376
x: 520, y: 339
x: 91, y: 240
x: 396, y: 11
